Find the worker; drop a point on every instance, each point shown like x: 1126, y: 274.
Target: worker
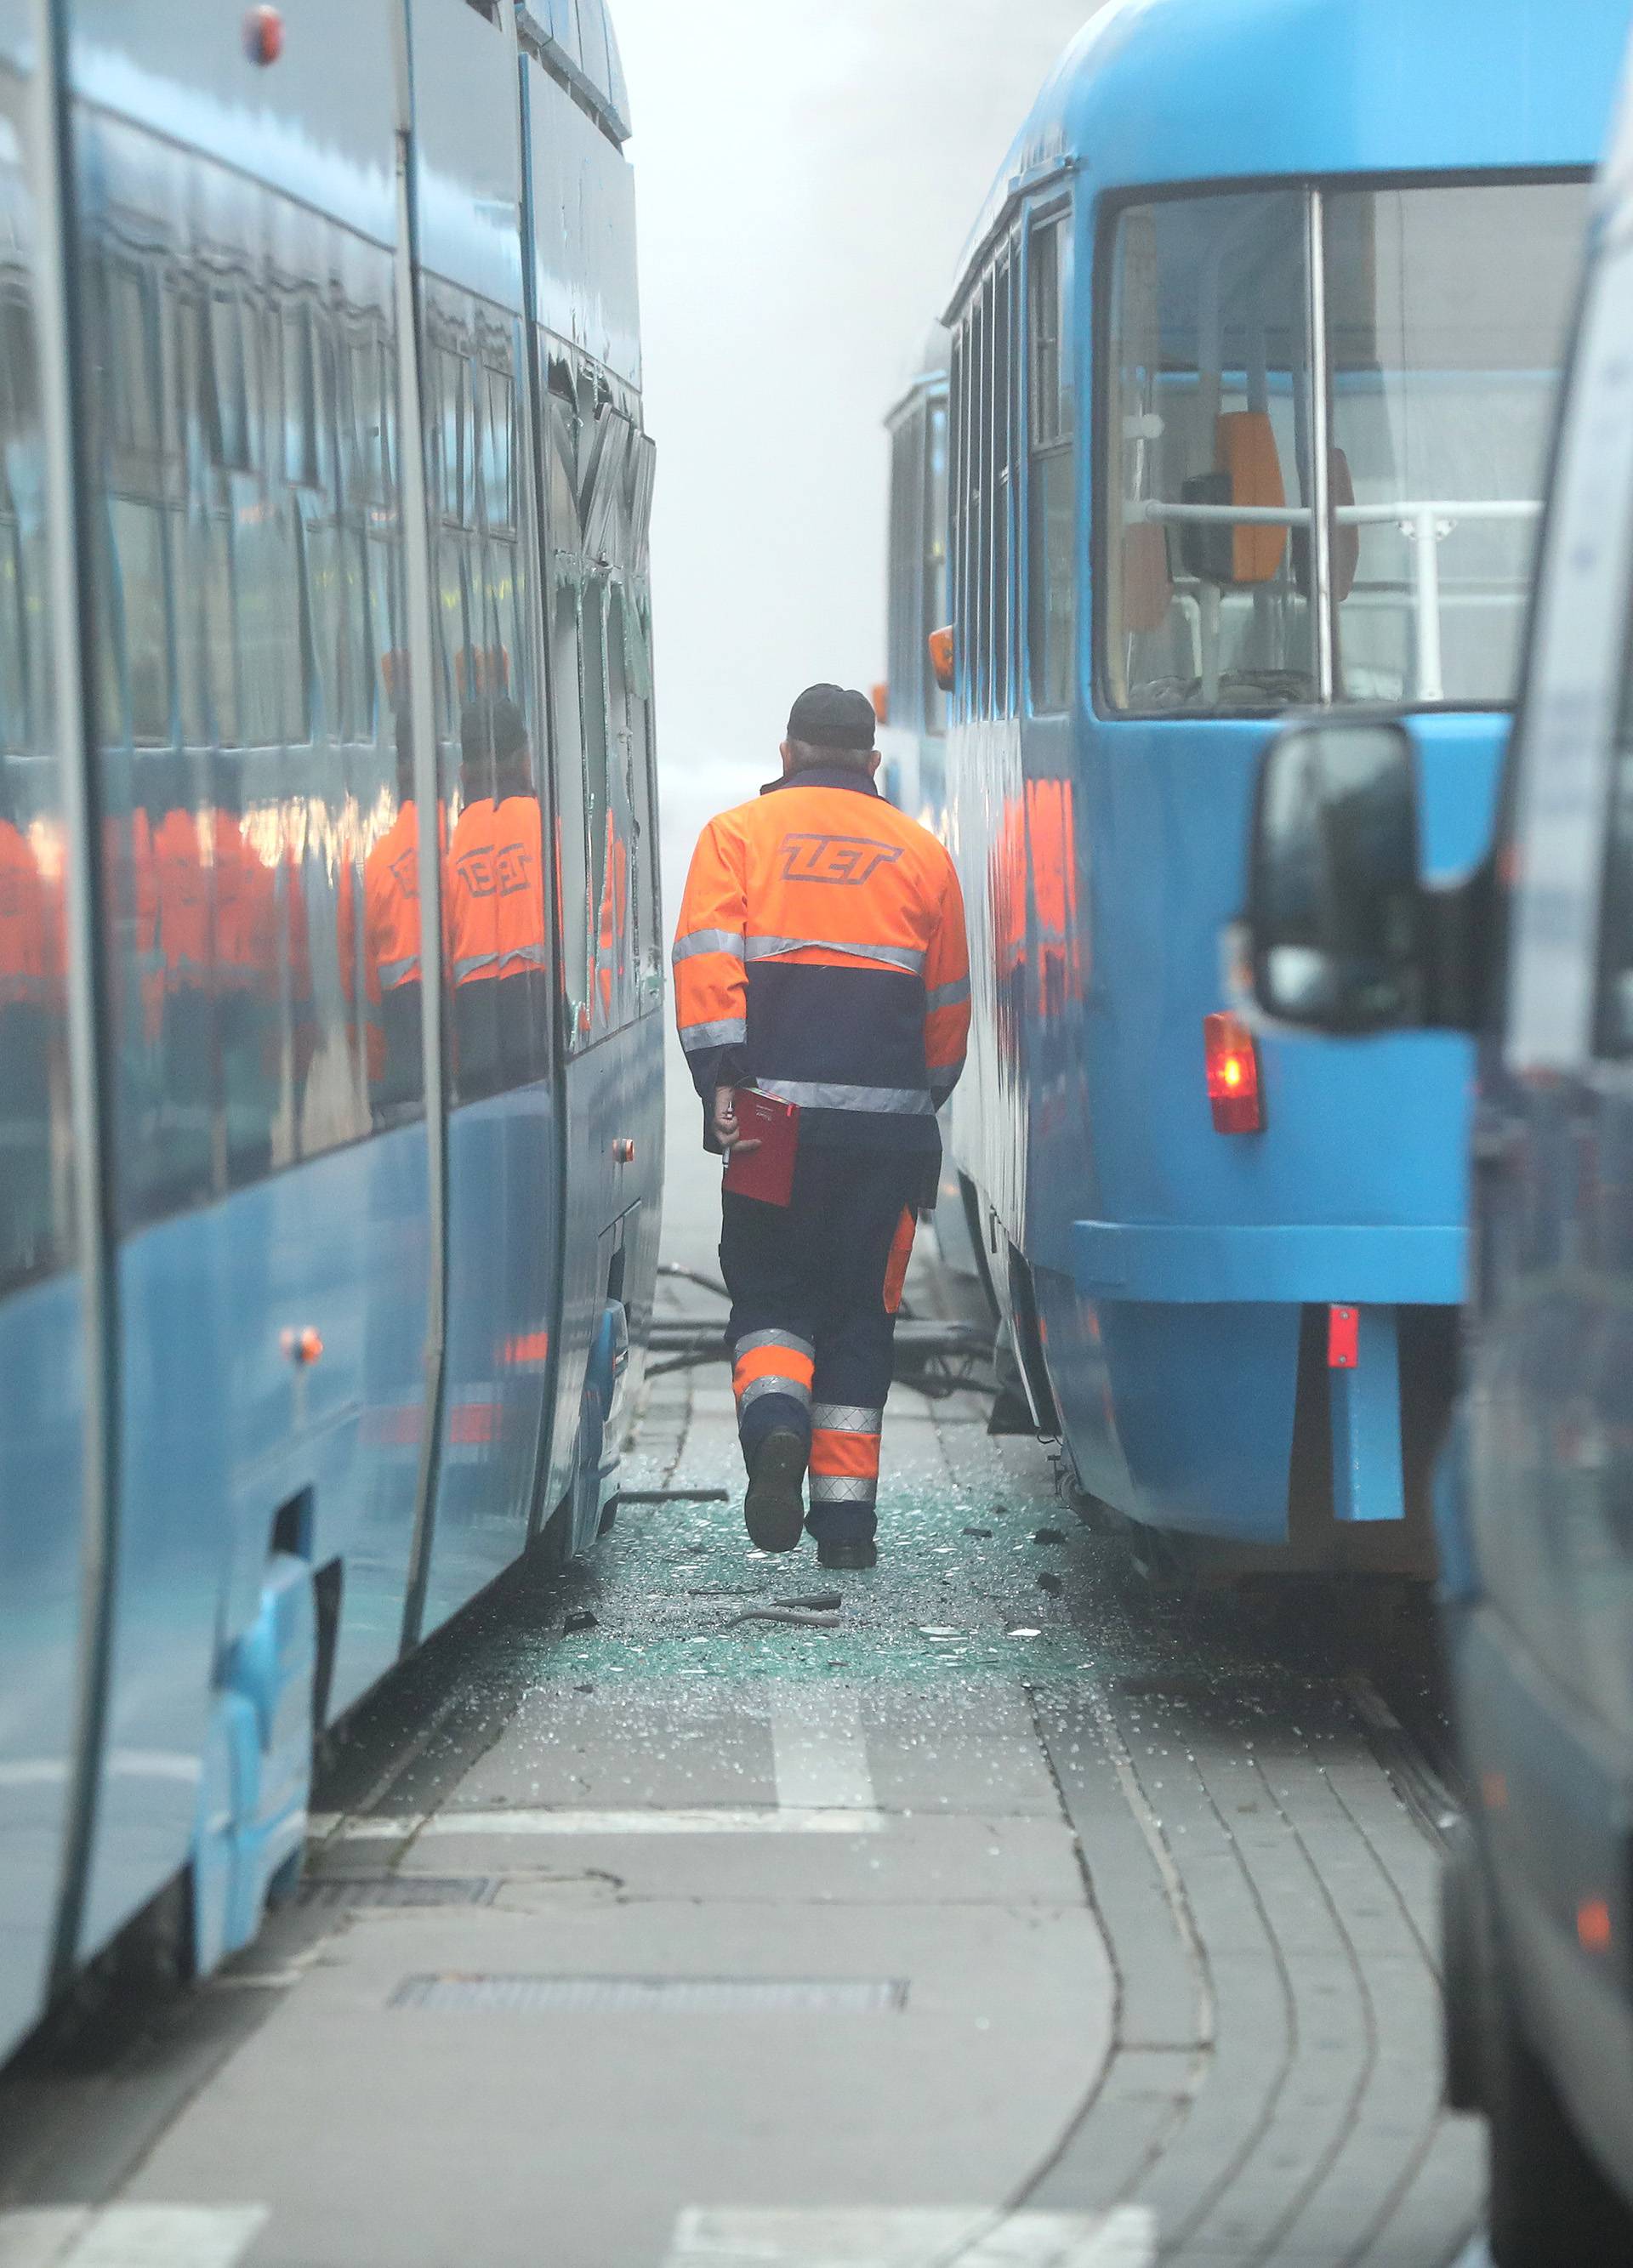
x: 820, y: 958
x: 497, y: 944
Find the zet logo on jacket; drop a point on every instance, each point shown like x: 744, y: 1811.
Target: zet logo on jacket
x: 844, y: 858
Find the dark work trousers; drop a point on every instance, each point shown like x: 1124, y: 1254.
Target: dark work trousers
x: 815, y: 1286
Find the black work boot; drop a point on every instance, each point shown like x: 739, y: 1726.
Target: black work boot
x: 847, y: 1551
x: 774, y: 1510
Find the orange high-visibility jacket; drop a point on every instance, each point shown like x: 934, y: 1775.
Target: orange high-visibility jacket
x: 821, y: 957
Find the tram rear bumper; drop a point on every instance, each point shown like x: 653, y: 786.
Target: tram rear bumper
x: 1163, y: 1264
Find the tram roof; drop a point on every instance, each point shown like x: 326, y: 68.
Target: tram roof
x: 576, y: 38
x: 1154, y: 91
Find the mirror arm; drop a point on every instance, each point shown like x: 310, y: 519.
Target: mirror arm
x: 1456, y: 949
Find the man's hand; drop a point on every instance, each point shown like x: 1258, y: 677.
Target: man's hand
x: 723, y: 1123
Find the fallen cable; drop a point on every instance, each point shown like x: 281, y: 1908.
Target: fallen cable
x: 794, y: 1615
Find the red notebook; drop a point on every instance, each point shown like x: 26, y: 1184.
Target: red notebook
x: 766, y: 1173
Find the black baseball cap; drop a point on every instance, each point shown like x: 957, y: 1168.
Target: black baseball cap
x: 828, y: 716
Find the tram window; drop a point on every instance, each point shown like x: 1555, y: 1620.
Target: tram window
x: 934, y: 587
x: 1447, y: 313
x: 958, y: 510
x: 1003, y: 482
x: 618, y: 930
x: 598, y: 812
x: 573, y: 914
x: 1208, y: 406
x: 904, y: 643
x: 498, y: 421
x: 300, y: 448
x: 227, y: 419
x: 1052, y: 488
x: 220, y: 643
x: 133, y: 343
x: 36, y: 1131
x: 634, y: 639
x: 138, y: 547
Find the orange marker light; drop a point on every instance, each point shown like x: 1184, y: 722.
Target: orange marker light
x: 942, y: 660
x: 1593, y: 1931
x: 303, y: 1347
x: 1233, y: 1088
x: 263, y: 35
x: 882, y: 703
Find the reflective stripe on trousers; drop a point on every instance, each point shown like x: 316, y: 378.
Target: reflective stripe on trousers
x: 772, y: 1362
x: 845, y: 1452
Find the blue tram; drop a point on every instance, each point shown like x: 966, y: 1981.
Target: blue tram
x: 329, y: 1130
x: 1253, y: 361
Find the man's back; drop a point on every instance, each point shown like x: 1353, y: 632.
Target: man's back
x: 821, y: 956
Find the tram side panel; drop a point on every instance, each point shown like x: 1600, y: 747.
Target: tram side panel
x: 41, y: 1295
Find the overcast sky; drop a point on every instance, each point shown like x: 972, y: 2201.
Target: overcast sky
x: 806, y: 175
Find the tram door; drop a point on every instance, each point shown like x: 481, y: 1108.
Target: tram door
x: 492, y: 755
x: 42, y: 1370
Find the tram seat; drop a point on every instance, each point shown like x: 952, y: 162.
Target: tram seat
x: 1147, y: 585
x: 1245, y: 448
x: 1340, y: 489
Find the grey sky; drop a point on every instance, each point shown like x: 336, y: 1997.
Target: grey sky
x: 805, y: 178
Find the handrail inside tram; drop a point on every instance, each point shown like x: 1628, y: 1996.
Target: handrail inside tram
x: 1426, y: 521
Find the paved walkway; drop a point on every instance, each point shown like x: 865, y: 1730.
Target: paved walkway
x: 1013, y: 1921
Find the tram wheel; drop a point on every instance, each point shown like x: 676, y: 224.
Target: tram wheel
x: 1550, y: 2204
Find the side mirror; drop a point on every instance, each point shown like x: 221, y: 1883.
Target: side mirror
x: 941, y: 658
x: 1337, y: 916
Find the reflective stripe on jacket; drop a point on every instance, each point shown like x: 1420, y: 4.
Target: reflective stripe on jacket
x: 821, y: 957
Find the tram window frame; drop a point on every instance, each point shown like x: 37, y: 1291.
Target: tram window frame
x: 1051, y: 482
x: 1314, y: 191
x: 1108, y: 525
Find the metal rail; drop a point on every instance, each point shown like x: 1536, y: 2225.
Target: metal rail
x: 1425, y: 522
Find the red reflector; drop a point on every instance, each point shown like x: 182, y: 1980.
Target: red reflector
x: 473, y: 1423
x: 1343, y: 1338
x: 1593, y: 1929
x: 1232, y: 1076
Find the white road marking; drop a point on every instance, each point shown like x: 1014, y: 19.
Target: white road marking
x: 520, y: 1823
x: 820, y: 1753
x: 129, y: 2236
x: 971, y: 2236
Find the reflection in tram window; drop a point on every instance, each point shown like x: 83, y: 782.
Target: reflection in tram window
x: 497, y: 937
x: 35, y: 1221
x: 385, y: 951
x: 246, y: 556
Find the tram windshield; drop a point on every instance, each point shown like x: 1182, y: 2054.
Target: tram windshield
x: 1443, y: 311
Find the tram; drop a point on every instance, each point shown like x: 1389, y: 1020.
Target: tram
x: 329, y: 1131
x: 1254, y: 359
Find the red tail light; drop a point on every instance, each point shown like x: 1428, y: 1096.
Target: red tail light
x: 1233, y: 1088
